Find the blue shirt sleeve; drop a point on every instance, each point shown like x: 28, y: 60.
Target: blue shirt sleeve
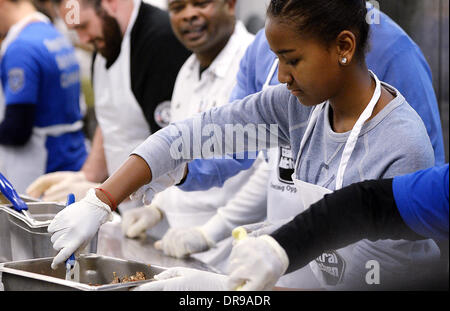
x: 20, y: 74
x: 422, y: 200
x: 206, y: 174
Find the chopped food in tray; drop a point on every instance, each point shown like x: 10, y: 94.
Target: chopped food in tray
x: 139, y: 276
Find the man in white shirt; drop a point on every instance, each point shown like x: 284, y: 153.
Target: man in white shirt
x: 209, y: 29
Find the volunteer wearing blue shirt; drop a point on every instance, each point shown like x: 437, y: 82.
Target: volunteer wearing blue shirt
x: 393, y: 57
x: 41, y: 131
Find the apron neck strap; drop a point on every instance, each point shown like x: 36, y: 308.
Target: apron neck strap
x: 353, y: 138
x: 272, y: 71
x: 17, y: 28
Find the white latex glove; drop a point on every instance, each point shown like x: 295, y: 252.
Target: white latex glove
x: 55, y: 187
x: 265, y: 227
x: 138, y: 220
x: 186, y: 279
x: 184, y: 241
x: 256, y: 263
x: 74, y: 227
x: 148, y: 192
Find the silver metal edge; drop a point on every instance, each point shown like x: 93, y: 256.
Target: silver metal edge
x: 72, y: 284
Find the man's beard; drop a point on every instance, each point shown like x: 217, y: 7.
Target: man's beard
x: 112, y: 35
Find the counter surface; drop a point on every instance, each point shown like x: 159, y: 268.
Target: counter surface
x: 112, y: 242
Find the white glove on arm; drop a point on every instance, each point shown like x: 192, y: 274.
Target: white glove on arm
x: 184, y: 241
x: 148, y: 192
x: 55, y: 187
x: 138, y: 220
x: 74, y: 227
x: 256, y: 263
x: 186, y: 279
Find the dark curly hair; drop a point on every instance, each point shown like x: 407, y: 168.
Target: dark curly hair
x: 325, y: 19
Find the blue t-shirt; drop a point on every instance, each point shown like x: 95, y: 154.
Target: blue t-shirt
x: 422, y: 200
x: 393, y: 57
x: 40, y: 68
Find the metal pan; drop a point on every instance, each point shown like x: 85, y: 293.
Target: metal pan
x: 92, y: 270
x: 23, y: 238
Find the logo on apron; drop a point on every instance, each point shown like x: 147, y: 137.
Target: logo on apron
x: 332, y: 266
x: 162, y: 114
x: 286, y: 165
x: 16, y: 79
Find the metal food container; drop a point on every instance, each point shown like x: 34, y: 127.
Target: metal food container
x: 92, y: 273
x: 22, y: 238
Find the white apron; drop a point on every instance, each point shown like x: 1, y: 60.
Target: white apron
x: 22, y: 165
x: 309, y: 193
x: 119, y: 115
x: 282, y: 201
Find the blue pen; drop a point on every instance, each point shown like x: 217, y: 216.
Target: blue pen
x: 70, y: 263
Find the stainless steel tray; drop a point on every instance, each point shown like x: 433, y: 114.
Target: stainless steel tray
x: 22, y: 238
x: 37, y: 275
x: 42, y: 214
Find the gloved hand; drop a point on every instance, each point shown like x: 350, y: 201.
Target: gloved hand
x: 184, y: 241
x: 185, y: 279
x: 138, y: 220
x: 74, y: 227
x: 148, y: 192
x: 265, y: 227
x: 55, y: 187
x: 256, y: 263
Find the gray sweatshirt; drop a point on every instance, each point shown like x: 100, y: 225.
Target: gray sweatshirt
x: 394, y: 142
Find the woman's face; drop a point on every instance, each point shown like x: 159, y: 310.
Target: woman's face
x: 309, y: 68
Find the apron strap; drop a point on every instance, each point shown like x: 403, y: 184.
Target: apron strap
x: 17, y: 28
x: 57, y: 130
x: 353, y: 138
x: 271, y: 73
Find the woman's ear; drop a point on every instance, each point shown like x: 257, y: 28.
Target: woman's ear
x: 346, y: 47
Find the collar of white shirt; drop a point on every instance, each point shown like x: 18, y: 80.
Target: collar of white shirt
x: 220, y: 66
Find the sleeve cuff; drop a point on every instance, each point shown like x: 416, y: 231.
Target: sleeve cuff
x: 186, y: 185
x: 278, y: 250
x: 216, y: 228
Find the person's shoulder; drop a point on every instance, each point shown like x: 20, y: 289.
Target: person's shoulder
x: 388, y: 37
x: 259, y: 44
x: 151, y: 22
x: 401, y: 125
x: 38, y: 38
x: 22, y: 49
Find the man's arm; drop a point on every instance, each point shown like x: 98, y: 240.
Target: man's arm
x: 95, y: 168
x: 17, y: 126
x: 206, y: 174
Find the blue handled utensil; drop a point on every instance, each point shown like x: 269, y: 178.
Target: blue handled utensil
x: 11, y: 194
x: 70, y: 263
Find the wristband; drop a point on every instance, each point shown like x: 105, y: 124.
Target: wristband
x: 110, y: 198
